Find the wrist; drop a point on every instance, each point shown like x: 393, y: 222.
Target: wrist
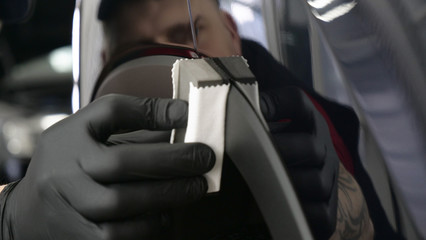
x: 5, y: 226
x: 2, y: 187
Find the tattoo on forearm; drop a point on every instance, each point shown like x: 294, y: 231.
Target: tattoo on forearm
x: 352, y: 213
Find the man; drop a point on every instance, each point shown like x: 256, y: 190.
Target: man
x: 79, y: 187
x: 127, y: 23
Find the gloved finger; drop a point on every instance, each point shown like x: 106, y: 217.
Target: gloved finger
x: 289, y: 104
x: 322, y: 217
x: 300, y: 150
x: 146, y: 226
x: 128, y: 200
x: 141, y: 136
x: 323, y: 212
x: 135, y: 162
x: 114, y: 114
x: 314, y: 183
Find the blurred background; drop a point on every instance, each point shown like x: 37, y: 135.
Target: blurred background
x: 35, y: 81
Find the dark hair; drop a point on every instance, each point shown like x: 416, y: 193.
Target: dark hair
x: 108, y: 7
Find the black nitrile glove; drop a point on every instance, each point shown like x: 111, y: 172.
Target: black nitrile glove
x: 302, y: 136
x: 80, y: 186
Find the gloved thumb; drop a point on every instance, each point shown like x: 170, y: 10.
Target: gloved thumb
x: 114, y: 114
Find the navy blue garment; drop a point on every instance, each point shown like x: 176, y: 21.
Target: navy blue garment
x: 271, y: 74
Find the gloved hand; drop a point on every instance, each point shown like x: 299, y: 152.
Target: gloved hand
x: 302, y: 136
x: 79, y: 187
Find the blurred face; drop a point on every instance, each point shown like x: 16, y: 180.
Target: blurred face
x: 167, y: 22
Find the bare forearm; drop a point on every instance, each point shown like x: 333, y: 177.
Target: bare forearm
x: 1, y: 188
x: 353, y: 219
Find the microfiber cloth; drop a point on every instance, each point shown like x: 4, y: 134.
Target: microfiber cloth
x: 205, y: 86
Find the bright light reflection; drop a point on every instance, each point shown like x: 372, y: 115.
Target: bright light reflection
x: 242, y: 13
x: 49, y: 120
x: 18, y: 138
x: 61, y: 60
x: 75, y: 98
x: 14, y: 146
x: 76, y: 56
x: 335, y: 12
x: 318, y: 4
